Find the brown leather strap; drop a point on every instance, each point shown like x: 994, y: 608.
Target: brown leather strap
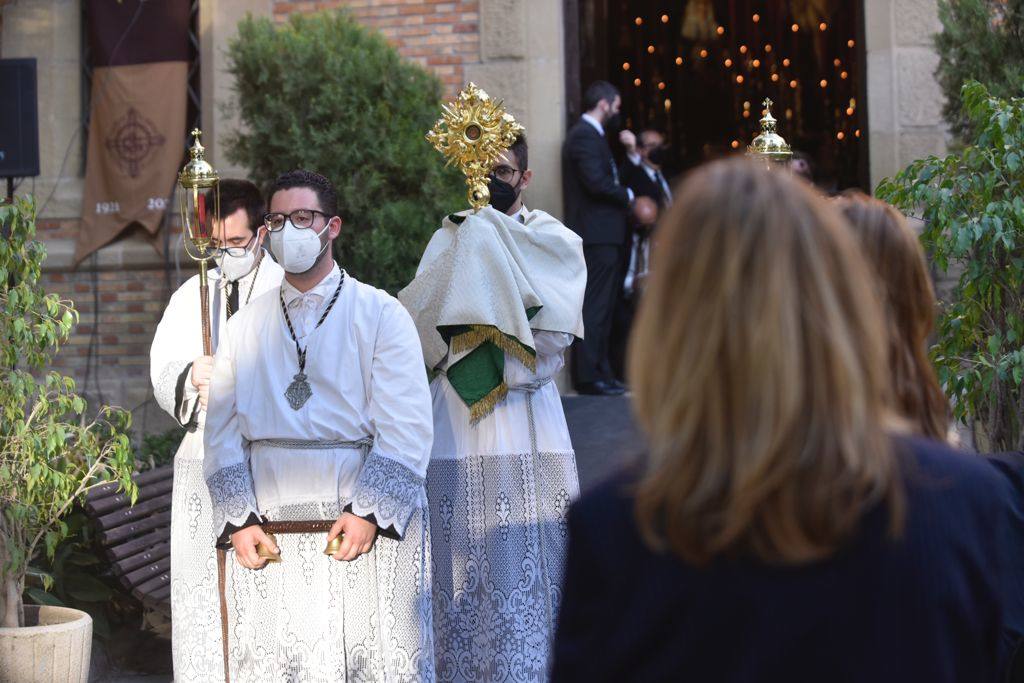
x: 222, y: 588
x: 298, y: 527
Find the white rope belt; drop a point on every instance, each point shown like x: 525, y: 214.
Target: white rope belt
x: 313, y: 445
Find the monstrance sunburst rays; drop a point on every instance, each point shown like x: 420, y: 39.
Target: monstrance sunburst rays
x: 472, y: 133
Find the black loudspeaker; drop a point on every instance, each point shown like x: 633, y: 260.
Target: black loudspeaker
x: 19, y: 119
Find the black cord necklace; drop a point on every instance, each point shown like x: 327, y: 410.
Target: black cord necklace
x: 299, y: 391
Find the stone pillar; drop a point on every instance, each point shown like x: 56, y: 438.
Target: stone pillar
x: 522, y: 61
x: 904, y: 99
x: 218, y: 22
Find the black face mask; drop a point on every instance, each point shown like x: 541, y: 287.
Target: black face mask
x: 503, y: 195
x: 658, y: 156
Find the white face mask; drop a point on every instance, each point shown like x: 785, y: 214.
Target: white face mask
x: 236, y: 267
x: 296, y: 249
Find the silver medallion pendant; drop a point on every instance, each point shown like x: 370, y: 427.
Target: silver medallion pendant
x: 298, y: 392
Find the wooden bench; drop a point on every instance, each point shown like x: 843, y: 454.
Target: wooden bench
x: 137, y: 538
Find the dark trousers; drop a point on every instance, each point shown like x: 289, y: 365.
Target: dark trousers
x: 604, y: 284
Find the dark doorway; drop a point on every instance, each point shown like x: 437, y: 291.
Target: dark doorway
x: 700, y: 69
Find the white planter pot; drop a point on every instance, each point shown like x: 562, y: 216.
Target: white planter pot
x: 53, y: 647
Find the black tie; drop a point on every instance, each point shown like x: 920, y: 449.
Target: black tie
x: 232, y: 298
x: 661, y: 186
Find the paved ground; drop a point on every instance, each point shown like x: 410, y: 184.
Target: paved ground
x: 603, y: 435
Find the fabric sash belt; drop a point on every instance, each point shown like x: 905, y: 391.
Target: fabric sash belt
x: 304, y: 445
x: 531, y: 387
x: 281, y: 527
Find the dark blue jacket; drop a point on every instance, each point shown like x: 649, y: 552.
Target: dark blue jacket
x: 926, y: 607
x: 1011, y: 466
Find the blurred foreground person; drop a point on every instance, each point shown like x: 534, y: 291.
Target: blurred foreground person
x: 893, y: 250
x: 777, y: 530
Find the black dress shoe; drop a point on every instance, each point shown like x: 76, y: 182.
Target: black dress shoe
x: 618, y: 385
x: 599, y: 388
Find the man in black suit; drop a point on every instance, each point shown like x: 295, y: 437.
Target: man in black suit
x: 643, y: 170
x: 596, y: 208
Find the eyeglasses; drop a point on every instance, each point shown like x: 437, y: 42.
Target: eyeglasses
x: 300, y: 218
x: 505, y: 173
x: 234, y: 251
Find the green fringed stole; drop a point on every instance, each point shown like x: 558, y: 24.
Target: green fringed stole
x: 479, y: 376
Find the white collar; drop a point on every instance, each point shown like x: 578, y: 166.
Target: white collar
x: 595, y: 123
x: 323, y: 289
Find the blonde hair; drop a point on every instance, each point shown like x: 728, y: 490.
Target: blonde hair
x: 892, y: 248
x: 758, y: 374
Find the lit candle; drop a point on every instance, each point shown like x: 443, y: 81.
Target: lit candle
x: 202, y: 228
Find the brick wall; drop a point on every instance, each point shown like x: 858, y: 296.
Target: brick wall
x: 441, y: 35
x: 108, y: 352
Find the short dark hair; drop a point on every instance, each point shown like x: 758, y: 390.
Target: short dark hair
x: 238, y: 194
x: 521, y: 152
x: 312, y: 180
x: 599, y: 91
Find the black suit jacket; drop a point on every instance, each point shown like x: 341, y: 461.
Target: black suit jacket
x: 636, y: 178
x: 596, y: 202
x: 923, y: 607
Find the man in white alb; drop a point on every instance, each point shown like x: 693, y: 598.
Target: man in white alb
x: 497, y: 300
x: 319, y: 427
x: 181, y: 379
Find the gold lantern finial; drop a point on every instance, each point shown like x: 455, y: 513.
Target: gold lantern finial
x: 198, y: 173
x: 199, y: 201
x: 472, y: 133
x: 769, y: 144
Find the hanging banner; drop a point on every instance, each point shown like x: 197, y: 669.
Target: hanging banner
x: 137, y: 115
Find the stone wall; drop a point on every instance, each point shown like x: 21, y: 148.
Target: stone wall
x: 904, y: 98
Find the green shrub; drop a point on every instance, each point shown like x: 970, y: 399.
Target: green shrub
x: 323, y: 93
x: 157, y: 450
x: 51, y: 454
x: 981, y: 40
x: 973, y: 207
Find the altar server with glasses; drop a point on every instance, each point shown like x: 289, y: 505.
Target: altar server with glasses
x: 319, y: 434
x: 180, y: 374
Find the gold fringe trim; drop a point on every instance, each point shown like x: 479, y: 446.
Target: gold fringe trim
x: 478, y: 334
x: 488, y: 403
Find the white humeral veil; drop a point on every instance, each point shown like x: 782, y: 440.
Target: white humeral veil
x: 500, y: 485
x: 195, y: 612
x: 311, y: 617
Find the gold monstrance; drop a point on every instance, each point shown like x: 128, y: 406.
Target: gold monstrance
x: 769, y: 145
x: 473, y: 132
x: 200, y: 187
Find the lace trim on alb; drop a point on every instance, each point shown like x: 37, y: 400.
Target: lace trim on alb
x: 231, y: 492
x: 389, y: 491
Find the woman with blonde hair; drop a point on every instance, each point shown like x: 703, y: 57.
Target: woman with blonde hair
x: 894, y: 252
x: 777, y: 529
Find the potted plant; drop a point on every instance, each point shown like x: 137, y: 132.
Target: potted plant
x: 50, y: 456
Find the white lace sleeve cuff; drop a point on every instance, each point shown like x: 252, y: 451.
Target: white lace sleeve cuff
x: 388, y: 491
x: 231, y: 492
